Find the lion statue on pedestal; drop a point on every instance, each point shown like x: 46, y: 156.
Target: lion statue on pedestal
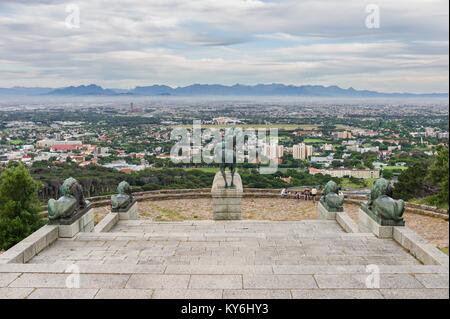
x: 124, y: 199
x: 71, y: 203
x: 331, y: 199
x: 382, y: 207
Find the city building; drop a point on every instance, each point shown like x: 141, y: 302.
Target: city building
x: 328, y: 148
x: 49, y: 143
x: 65, y: 148
x: 346, y: 172
x: 344, y: 135
x: 273, y: 151
x: 302, y: 151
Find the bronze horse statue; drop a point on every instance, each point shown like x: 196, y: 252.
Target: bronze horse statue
x: 225, y: 163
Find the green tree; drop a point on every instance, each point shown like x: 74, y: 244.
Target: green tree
x: 438, y: 175
x: 19, y: 205
x: 412, y: 183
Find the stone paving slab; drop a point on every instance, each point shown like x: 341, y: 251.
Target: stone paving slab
x: 7, y: 278
x: 337, y: 294
x: 158, y: 281
x: 59, y: 281
x: 15, y: 293
x: 55, y: 293
x: 187, y: 294
x: 415, y: 293
x: 279, y: 282
x: 358, y: 281
x: 433, y: 280
x: 257, y: 294
x: 215, y: 282
x: 124, y: 294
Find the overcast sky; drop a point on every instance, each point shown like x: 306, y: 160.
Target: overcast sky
x: 127, y: 43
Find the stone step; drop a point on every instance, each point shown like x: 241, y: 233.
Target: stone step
x: 61, y: 268
x: 219, y: 236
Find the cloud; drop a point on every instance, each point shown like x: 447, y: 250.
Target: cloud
x: 126, y: 43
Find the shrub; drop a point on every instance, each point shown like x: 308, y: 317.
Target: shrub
x: 19, y: 205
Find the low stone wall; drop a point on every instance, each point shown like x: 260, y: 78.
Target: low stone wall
x: 31, y: 246
x: 161, y: 195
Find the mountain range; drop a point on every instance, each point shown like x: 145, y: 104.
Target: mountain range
x: 213, y: 90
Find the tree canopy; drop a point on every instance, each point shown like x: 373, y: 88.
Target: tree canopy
x: 19, y: 205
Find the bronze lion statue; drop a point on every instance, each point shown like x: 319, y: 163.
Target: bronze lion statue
x: 71, y: 203
x: 124, y: 199
x: 331, y: 199
x: 382, y: 207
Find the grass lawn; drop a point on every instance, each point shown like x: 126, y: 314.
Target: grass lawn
x: 315, y: 141
x: 427, y: 201
x: 393, y: 168
x: 285, y: 170
x: 344, y: 127
x: 203, y: 169
x: 17, y: 142
x: 346, y: 183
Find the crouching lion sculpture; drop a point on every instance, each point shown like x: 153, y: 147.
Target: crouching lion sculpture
x: 124, y: 199
x: 331, y: 199
x: 382, y: 207
x: 71, y: 204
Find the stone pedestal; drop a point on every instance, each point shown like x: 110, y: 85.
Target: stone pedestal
x: 84, y: 224
x: 131, y: 213
x: 367, y: 225
x: 227, y: 201
x: 324, y: 214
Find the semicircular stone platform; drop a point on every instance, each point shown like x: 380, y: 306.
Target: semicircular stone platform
x: 237, y: 259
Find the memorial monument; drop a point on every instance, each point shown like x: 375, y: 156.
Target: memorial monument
x: 227, y: 189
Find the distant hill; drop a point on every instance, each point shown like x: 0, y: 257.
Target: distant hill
x: 83, y: 90
x: 218, y: 90
x: 25, y: 91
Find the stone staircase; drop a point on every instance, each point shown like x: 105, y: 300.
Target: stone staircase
x: 238, y: 259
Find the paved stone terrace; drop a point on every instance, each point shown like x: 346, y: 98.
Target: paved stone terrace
x: 206, y: 259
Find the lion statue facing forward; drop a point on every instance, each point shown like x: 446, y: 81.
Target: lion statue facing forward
x: 124, y: 199
x: 382, y: 207
x: 331, y: 199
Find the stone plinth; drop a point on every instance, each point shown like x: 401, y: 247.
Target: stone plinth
x: 84, y: 224
x: 324, y: 213
x: 132, y: 213
x: 367, y: 225
x: 227, y: 201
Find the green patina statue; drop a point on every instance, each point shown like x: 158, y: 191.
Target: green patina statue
x: 228, y: 161
x: 331, y: 199
x: 382, y: 207
x: 124, y: 199
x: 71, y: 204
